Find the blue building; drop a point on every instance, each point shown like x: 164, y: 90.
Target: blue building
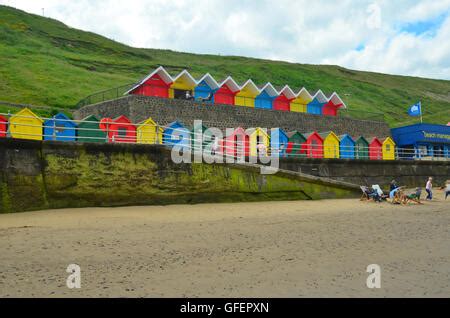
x: 422, y: 140
x: 206, y: 86
x: 177, y: 133
x: 346, y: 147
x: 279, y: 141
x: 317, y: 103
x: 61, y: 128
x: 265, y: 99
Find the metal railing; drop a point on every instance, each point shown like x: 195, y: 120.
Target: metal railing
x: 150, y: 90
x: 106, y: 95
x: 54, y: 129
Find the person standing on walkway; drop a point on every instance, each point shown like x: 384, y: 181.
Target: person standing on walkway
x: 429, y: 188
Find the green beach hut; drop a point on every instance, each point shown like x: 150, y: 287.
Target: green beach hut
x: 198, y: 131
x: 89, y: 130
x: 295, y: 144
x: 361, y: 148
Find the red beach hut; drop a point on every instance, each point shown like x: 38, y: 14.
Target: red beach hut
x: 314, y: 145
x: 156, y: 83
x: 284, y: 99
x: 237, y: 144
x: 3, y: 126
x: 331, y: 107
x: 226, y: 92
x: 121, y: 129
x: 375, y: 149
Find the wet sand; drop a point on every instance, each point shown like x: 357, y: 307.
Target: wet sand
x: 269, y: 249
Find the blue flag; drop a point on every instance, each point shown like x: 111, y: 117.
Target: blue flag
x: 415, y: 110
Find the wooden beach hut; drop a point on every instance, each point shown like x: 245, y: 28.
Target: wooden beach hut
x: 26, y: 125
x: 314, y: 145
x: 266, y: 96
x: 3, y: 126
x: 296, y: 144
x: 302, y: 99
x: 227, y: 91
x: 283, y: 100
x: 60, y: 128
x: 149, y: 132
x: 375, y: 149
x: 330, y: 145
x: 257, y: 136
x: 279, y: 141
x: 89, y: 130
x: 237, y: 144
x: 199, y: 132
x: 121, y: 129
x: 183, y: 83
x: 156, y: 84
x: 206, y: 88
x: 333, y: 105
x: 362, y: 148
x: 317, y: 103
x: 388, y: 148
x: 247, y: 94
x: 177, y: 134
x: 347, y: 147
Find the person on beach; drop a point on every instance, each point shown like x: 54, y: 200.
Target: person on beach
x: 429, y: 188
x: 447, y: 189
x: 393, y: 185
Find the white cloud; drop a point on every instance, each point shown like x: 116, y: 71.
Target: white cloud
x: 365, y: 35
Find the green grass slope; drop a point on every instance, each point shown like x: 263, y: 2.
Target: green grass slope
x: 44, y: 62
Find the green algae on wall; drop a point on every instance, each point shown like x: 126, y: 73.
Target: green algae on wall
x: 82, y: 175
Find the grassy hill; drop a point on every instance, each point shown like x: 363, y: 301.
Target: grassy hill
x: 45, y: 62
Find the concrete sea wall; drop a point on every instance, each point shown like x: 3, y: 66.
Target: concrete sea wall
x: 368, y: 172
x: 38, y: 175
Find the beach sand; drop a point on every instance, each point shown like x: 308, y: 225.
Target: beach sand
x: 267, y: 249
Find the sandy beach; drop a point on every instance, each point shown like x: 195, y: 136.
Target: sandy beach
x: 270, y: 249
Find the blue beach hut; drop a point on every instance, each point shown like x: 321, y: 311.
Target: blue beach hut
x: 346, y: 147
x: 279, y: 141
x: 317, y: 103
x: 60, y: 127
x: 265, y: 99
x: 205, y: 86
x: 176, y: 133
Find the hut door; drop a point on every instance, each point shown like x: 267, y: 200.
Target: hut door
x: 180, y: 93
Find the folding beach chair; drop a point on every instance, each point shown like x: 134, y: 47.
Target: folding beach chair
x: 369, y: 194
x: 377, y: 188
x: 398, y: 196
x: 365, y: 193
x: 413, y: 197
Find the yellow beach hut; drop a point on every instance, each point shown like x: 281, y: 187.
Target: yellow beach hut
x: 388, y: 149
x: 247, y: 94
x: 26, y: 125
x: 330, y: 145
x: 300, y: 102
x: 257, y: 136
x: 148, y: 132
x: 182, y: 84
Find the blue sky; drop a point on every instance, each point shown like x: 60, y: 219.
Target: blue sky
x: 405, y: 37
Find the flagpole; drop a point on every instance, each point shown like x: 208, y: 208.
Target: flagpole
x: 421, y: 118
